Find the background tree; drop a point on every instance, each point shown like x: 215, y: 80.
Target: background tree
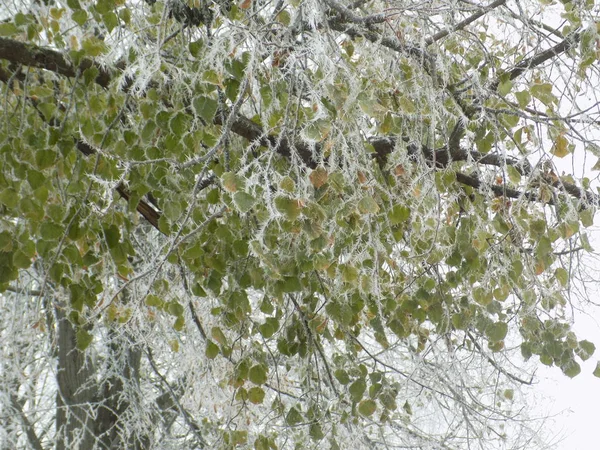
x: 277, y: 223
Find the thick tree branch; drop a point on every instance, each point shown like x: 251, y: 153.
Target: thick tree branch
x: 498, y: 190
x: 348, y: 16
x: 537, y: 59
x: 48, y: 59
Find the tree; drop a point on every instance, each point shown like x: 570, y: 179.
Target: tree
x: 295, y: 223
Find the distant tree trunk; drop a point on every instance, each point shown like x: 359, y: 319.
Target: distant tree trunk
x: 114, y: 402
x: 74, y: 399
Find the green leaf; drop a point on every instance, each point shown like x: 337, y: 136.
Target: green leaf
x: 148, y: 132
x: 50, y: 231
x: 316, y: 431
x: 318, y: 130
x: 368, y: 205
x: 256, y: 395
x: 291, y: 284
x: 111, y: 21
x: 342, y: 376
x: 562, y: 276
x: 92, y: 46
x: 505, y: 86
x: 367, y: 407
x: 496, y: 331
x: 262, y: 443
x: 289, y: 207
x: 243, y: 201
x: 238, y: 437
x: 21, y: 260
x: 406, y: 105
x: 175, y: 309
x: 84, y: 339
x: 232, y: 182
x: 571, y: 369
x: 596, y: 372
x: 543, y: 92
x: 9, y: 197
x: 258, y: 374
x: 587, y: 217
x: 153, y: 300
x: 293, y: 417
x: 212, y: 77
x: 217, y: 334
x: 585, y: 350
x: 523, y: 98
x: 8, y: 29
x: 180, y: 124
x: 179, y: 323
x: 205, y: 107
x: 513, y: 175
x: 284, y: 18
x: 399, y: 214
x: 357, y: 390
x: 212, y: 350
x: 195, y: 47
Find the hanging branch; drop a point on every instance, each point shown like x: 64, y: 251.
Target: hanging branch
x: 52, y: 60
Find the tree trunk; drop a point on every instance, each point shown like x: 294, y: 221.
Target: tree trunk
x: 74, y: 399
x: 114, y: 401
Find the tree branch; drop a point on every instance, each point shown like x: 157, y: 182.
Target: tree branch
x: 459, y: 26
x: 498, y: 190
x: 32, y: 437
x: 348, y: 16
x: 539, y: 58
x: 48, y: 59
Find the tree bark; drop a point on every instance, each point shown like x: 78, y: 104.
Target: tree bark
x: 74, y: 402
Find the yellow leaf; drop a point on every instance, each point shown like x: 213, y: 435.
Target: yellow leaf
x: 561, y: 146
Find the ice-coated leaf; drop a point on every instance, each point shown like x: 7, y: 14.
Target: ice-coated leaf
x: 205, y: 107
x: 256, y: 395
x: 293, y: 417
x: 367, y: 407
x: 585, y: 349
x: 561, y: 146
x: 596, y: 372
x: 497, y: 331
x: 318, y: 177
x: 571, y: 369
x: 291, y: 208
x: 84, y: 339
x: 212, y: 350
x: 257, y: 374
x: 357, y: 390
x: 243, y: 201
x: 368, y: 205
